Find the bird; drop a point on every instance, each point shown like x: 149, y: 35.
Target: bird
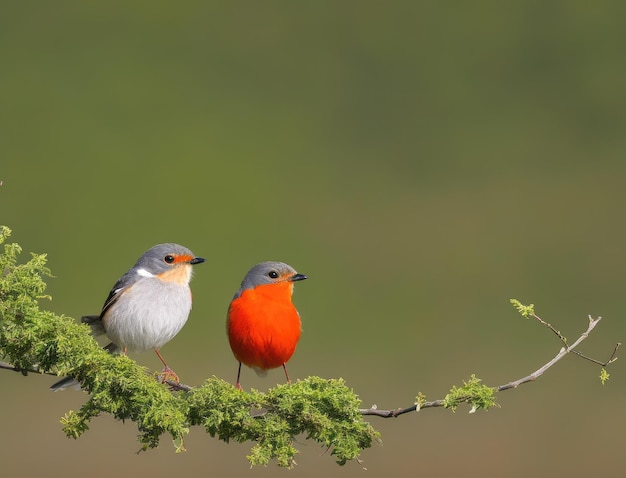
x: 147, y: 306
x: 263, y: 325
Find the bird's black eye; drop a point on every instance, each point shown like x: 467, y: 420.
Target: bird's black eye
x: 169, y: 259
x: 273, y: 274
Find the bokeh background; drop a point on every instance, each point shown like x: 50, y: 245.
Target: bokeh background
x: 421, y: 162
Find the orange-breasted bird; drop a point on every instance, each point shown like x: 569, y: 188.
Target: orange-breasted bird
x: 147, y: 306
x: 263, y: 325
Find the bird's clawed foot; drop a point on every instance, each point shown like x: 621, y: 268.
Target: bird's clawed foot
x: 167, y: 374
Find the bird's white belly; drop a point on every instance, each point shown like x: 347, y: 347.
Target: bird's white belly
x: 148, y: 315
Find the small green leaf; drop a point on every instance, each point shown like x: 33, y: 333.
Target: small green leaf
x: 604, y: 376
x: 420, y: 400
x: 526, y: 310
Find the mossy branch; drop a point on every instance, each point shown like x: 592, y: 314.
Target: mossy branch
x: 326, y: 411
x: 35, y: 340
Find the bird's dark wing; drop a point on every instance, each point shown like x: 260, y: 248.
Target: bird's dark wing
x: 95, y: 321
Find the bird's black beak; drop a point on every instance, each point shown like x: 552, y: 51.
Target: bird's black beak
x: 197, y: 260
x: 297, y: 277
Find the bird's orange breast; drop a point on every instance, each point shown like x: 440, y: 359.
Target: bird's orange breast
x: 180, y: 274
x: 264, y: 326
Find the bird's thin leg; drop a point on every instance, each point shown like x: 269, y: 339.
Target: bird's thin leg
x: 167, y: 373
x: 238, y: 385
x: 286, y: 374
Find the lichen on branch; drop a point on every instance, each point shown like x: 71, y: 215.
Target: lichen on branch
x: 473, y: 392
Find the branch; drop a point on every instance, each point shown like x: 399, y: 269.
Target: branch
x: 468, y: 394
x: 172, y: 385
x: 562, y: 353
x: 8, y: 366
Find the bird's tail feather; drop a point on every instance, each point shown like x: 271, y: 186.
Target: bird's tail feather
x: 95, y: 322
x: 259, y: 371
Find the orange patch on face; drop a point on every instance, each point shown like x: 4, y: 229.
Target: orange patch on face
x: 180, y: 274
x: 182, y: 258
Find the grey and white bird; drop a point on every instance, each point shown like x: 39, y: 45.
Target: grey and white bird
x: 147, y: 306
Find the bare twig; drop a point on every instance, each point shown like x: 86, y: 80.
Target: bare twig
x: 556, y: 332
x: 562, y: 353
x: 515, y: 383
x: 177, y: 386
x: 399, y: 411
x: 610, y: 360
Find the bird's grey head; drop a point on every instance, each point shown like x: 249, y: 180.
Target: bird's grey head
x: 164, y: 257
x: 269, y: 272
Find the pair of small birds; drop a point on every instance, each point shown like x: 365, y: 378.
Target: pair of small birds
x: 151, y: 302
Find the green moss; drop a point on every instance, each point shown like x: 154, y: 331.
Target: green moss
x: 325, y: 411
x: 473, y: 392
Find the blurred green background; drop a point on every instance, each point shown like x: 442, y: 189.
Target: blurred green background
x: 421, y: 162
